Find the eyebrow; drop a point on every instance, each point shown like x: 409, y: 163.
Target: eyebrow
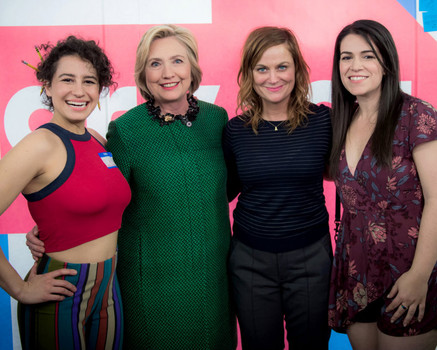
x: 160, y: 59
x: 73, y: 76
x: 279, y: 64
x: 350, y: 53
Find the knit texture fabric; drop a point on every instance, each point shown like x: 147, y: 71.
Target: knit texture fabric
x: 175, y: 233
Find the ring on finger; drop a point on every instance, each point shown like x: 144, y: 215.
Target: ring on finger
x: 404, y: 307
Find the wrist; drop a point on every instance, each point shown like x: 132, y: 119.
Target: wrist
x: 421, y: 274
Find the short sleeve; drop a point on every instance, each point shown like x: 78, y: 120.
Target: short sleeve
x: 423, y: 122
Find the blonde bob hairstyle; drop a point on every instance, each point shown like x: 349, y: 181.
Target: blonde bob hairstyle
x: 248, y: 101
x: 185, y: 37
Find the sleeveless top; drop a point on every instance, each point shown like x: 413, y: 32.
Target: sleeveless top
x: 86, y: 201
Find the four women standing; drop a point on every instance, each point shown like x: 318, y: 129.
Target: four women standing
x: 175, y: 234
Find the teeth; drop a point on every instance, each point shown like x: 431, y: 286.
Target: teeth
x: 76, y: 104
x: 357, y: 78
x: 170, y: 84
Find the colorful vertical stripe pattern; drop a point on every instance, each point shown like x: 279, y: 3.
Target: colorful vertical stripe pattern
x: 90, y: 319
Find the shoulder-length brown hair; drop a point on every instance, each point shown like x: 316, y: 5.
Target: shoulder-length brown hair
x: 248, y: 101
x: 185, y: 37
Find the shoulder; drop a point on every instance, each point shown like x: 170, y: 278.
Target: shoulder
x: 212, y: 109
x: 321, y: 114
x: 39, y: 145
x: 97, y: 136
x: 210, y: 106
x: 132, y: 115
x: 237, y: 123
x: 415, y: 106
x: 321, y: 110
x: 132, y: 122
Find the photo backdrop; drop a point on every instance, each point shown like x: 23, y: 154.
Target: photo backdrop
x: 220, y: 27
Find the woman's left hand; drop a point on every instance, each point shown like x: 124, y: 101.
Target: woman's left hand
x: 409, y: 293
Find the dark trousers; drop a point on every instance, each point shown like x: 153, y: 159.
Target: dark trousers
x: 268, y: 287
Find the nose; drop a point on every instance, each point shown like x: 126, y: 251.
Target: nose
x: 273, y: 76
x: 78, y: 89
x: 356, y: 64
x: 167, y: 71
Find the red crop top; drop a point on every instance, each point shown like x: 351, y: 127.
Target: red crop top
x: 86, y: 201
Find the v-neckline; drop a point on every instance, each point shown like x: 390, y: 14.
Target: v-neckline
x: 359, y: 159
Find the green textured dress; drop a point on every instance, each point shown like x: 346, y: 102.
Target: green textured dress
x: 175, y: 234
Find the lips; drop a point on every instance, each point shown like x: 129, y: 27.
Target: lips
x: 273, y: 88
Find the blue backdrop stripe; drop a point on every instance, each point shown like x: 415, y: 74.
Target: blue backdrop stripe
x: 5, y: 305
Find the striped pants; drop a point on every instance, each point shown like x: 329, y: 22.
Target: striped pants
x: 90, y: 319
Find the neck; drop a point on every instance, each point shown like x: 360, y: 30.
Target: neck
x: 368, y: 107
x: 75, y: 128
x: 275, y: 112
x: 274, y: 116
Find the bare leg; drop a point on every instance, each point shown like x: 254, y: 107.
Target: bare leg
x: 363, y: 336
x: 427, y: 341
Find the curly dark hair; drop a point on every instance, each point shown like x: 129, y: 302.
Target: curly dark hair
x: 88, y: 50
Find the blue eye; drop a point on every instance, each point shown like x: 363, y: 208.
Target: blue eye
x: 261, y: 69
x: 178, y: 60
x: 154, y: 64
x: 282, y: 67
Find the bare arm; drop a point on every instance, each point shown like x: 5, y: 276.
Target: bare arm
x: 20, y: 167
x: 411, y: 288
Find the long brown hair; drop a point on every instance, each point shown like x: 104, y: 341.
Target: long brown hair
x: 390, y: 102
x: 248, y: 101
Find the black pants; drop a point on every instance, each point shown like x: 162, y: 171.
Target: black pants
x: 270, y: 286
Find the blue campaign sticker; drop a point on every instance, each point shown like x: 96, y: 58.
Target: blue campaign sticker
x: 106, y: 157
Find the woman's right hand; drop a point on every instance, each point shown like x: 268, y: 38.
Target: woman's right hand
x: 46, y: 287
x: 35, y: 245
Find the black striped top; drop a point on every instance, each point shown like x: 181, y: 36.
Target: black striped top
x: 279, y: 176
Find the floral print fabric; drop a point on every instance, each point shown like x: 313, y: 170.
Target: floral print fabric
x: 382, y: 209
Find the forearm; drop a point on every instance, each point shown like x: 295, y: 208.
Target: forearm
x: 425, y: 256
x: 10, y: 280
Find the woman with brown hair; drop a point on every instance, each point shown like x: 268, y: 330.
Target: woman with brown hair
x: 276, y: 152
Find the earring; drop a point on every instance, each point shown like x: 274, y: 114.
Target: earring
x: 98, y: 105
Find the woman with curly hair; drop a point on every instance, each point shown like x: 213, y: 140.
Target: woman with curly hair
x: 77, y: 196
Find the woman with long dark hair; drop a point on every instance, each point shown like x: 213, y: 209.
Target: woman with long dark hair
x: 384, y: 156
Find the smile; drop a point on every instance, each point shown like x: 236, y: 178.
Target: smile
x: 77, y: 104
x: 169, y: 85
x: 357, y: 78
x: 273, y: 89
